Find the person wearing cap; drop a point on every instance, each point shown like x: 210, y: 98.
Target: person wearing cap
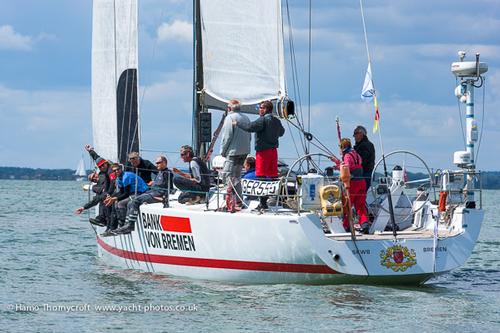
x: 143, y: 168
x: 103, y: 187
x: 194, y: 184
x: 235, y: 146
x: 357, y: 190
x: 161, y: 186
x: 100, y: 196
x: 366, y: 150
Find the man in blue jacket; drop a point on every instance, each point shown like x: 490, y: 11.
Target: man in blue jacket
x: 160, y: 187
x: 128, y: 184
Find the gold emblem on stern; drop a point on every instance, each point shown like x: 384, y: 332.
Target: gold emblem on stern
x: 398, y: 258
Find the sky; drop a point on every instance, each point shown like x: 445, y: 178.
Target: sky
x: 45, y: 76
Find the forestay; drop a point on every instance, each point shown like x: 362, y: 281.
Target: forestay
x: 114, y: 78
x: 242, y: 43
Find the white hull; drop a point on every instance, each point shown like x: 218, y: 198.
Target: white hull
x: 276, y: 248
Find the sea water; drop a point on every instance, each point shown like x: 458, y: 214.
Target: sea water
x: 52, y: 281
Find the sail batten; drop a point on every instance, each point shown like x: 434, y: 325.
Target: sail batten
x: 243, y: 53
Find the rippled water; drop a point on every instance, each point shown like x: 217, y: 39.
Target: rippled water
x: 52, y: 281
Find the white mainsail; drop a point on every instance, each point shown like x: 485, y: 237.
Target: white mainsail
x: 115, y: 119
x: 238, y: 61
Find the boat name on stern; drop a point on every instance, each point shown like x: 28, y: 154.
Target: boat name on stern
x: 398, y: 258
x: 168, y: 232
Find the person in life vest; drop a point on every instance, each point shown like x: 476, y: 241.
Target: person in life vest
x: 357, y: 189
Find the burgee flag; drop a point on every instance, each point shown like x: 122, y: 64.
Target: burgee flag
x: 368, y: 91
x: 368, y: 94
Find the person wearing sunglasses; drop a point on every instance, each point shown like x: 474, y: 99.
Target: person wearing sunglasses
x: 161, y: 186
x: 194, y: 184
x: 128, y: 185
x: 143, y: 168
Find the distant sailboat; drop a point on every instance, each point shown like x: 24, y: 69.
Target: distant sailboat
x: 80, y: 172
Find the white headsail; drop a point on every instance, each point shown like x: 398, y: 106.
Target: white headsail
x: 115, y: 119
x: 243, y: 56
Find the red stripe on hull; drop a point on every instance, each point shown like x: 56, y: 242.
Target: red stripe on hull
x: 175, y: 224
x: 217, y: 263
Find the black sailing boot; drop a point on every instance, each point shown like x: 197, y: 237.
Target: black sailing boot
x: 128, y: 227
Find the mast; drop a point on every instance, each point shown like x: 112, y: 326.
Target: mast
x: 469, y: 73
x: 197, y: 78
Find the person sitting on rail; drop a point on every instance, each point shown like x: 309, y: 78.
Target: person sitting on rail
x: 194, y: 184
x: 127, y: 184
x: 162, y: 185
x: 100, y: 190
x: 143, y: 168
x: 357, y: 191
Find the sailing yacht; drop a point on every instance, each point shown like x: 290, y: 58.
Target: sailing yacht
x: 413, y: 236
x: 80, y: 172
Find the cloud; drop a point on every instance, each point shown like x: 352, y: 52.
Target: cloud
x: 177, y: 31
x: 11, y: 40
x: 43, y: 123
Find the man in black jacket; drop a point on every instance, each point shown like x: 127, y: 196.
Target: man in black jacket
x: 366, y: 150
x: 143, y: 168
x: 102, y: 188
x: 161, y: 186
x: 268, y: 130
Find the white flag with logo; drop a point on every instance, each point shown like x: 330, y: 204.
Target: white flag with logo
x: 368, y: 90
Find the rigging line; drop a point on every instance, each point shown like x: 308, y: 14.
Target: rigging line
x: 293, y: 139
x: 301, y: 130
x: 153, y: 56
x: 364, y: 30
x: 379, y: 129
x: 460, y: 113
x: 321, y: 146
x: 309, y: 74
x: 134, y: 76
x: 482, y: 122
x: 369, y: 62
x: 116, y: 63
x: 293, y: 63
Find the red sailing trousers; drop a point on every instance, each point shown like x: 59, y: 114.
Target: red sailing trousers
x: 358, y: 200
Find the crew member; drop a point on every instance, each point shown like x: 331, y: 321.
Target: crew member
x: 127, y: 185
x: 268, y: 129
x: 161, y: 186
x: 357, y: 189
x: 366, y: 150
x: 235, y: 146
x: 194, y: 184
x: 143, y: 168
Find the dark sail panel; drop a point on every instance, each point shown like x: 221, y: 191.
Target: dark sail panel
x: 127, y: 114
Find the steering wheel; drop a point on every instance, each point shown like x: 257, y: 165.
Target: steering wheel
x: 411, y: 173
